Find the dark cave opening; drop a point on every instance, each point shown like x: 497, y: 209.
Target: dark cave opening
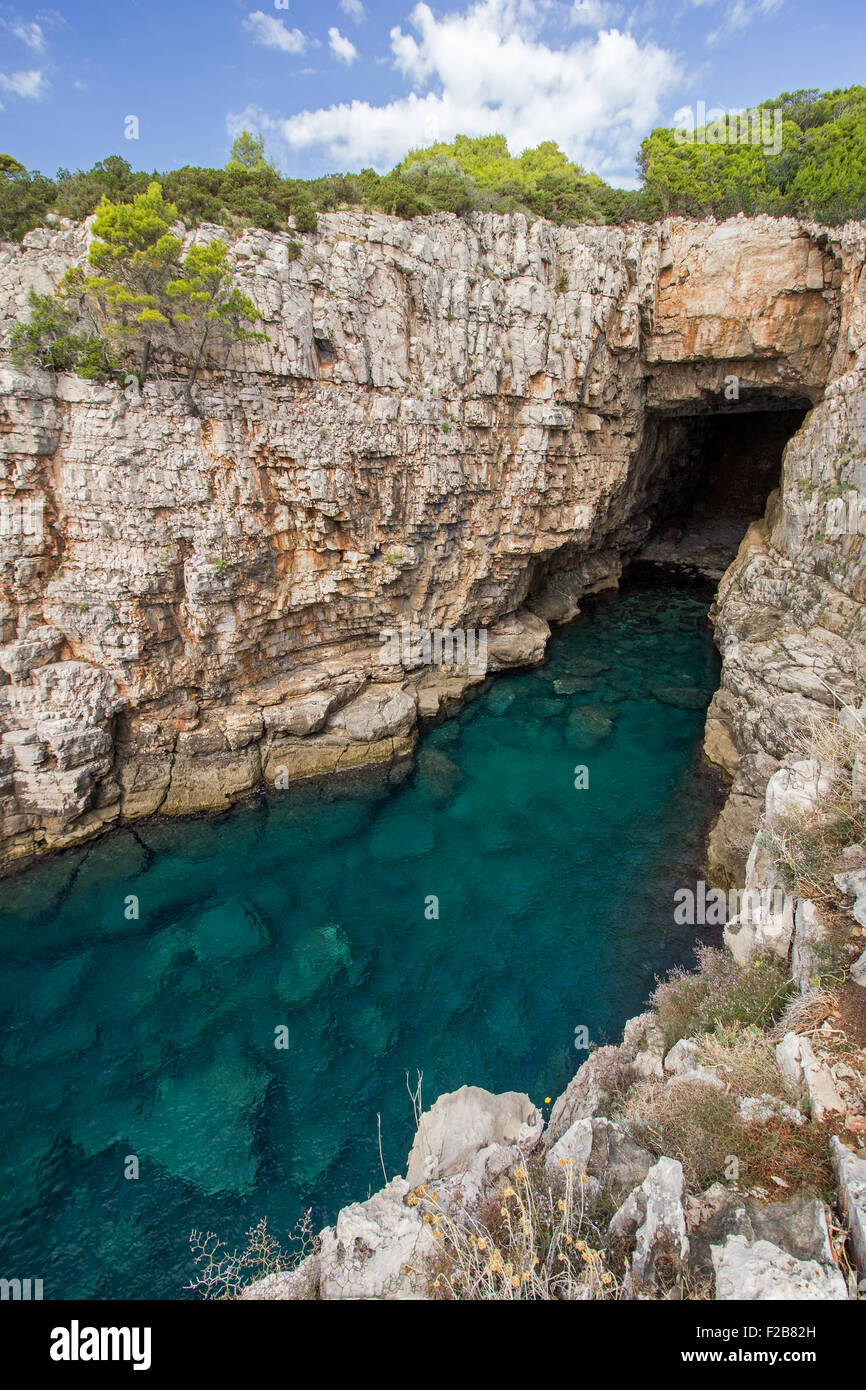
x: 708, y: 477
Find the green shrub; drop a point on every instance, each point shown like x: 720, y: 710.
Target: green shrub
x: 721, y: 993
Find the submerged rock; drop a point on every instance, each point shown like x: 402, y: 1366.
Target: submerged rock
x: 589, y: 725
x: 316, y: 957
x: 681, y: 696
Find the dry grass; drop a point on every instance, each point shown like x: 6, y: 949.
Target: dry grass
x: 701, y: 1127
x: 807, y: 845
x: 223, y: 1274
x: 534, y: 1240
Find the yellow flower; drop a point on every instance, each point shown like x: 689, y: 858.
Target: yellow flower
x: 515, y: 1282
x: 547, y: 1100
x: 607, y: 1278
x: 482, y: 1245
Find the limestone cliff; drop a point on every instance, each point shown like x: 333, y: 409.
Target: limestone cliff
x: 463, y: 423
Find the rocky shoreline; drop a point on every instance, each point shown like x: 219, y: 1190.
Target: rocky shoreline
x: 656, y: 1233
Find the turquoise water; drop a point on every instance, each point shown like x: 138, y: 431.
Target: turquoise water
x: 155, y: 1037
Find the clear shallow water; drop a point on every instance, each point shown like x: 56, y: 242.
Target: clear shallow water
x: 156, y: 1037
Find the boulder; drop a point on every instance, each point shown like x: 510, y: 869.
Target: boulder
x: 854, y: 883
x: 798, y: 1227
x: 380, y: 712
x: 810, y: 935
x: 518, y: 640
x: 808, y: 1076
x: 682, y: 1058
x: 858, y: 970
x: 758, y: 1272
x: 367, y: 1254
x: 654, y: 1213
x: 851, y: 1177
x: 604, y: 1152
x: 463, y: 1122
x: 760, y: 1110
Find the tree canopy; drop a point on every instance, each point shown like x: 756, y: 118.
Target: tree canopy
x: 818, y: 171
x: 145, y: 294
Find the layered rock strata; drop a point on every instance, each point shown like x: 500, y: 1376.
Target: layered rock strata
x: 458, y: 424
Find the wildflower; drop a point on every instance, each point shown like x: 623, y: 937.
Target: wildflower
x: 515, y: 1281
x: 547, y: 1100
x: 607, y: 1278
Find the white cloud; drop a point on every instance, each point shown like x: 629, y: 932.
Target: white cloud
x: 341, y: 47
x: 353, y: 8
x: 591, y: 14
x: 271, y: 32
x: 739, y: 15
x: 486, y: 69
x: 24, y: 84
x: 32, y: 35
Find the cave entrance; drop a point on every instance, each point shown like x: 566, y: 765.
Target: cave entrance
x: 708, y: 477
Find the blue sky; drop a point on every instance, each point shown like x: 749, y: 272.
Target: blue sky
x: 348, y: 83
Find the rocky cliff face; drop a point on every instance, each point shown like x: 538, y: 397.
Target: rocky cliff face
x: 459, y: 424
